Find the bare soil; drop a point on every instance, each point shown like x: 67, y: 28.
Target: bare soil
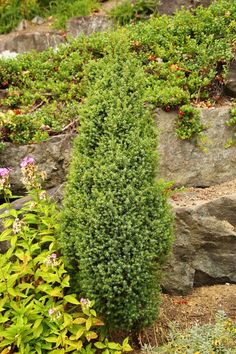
x: 193, y: 196
x: 199, y: 308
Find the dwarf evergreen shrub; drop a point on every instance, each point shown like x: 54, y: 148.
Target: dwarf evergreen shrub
x: 116, y: 222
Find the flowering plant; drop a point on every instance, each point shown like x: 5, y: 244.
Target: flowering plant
x: 4, y: 181
x: 37, y: 312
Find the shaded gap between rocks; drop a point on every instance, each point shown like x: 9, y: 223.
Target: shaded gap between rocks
x: 201, y: 278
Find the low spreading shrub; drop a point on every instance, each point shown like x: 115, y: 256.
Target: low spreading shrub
x: 188, y: 122
x: 116, y: 224
x: 185, y: 58
x: 38, y: 314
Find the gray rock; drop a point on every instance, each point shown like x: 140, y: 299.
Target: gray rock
x: 22, y: 25
x: 230, y: 85
x: 37, y: 20
x: 88, y: 25
x: 205, y: 245
x: 196, y: 163
x: 24, y: 42
x: 51, y: 156
x: 170, y: 6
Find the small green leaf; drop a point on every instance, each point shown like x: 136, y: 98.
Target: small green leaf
x: 8, y: 223
x: 106, y: 351
x: 127, y: 348
x: 3, y: 319
x: 80, y: 332
x: 68, y: 320
x: 38, y: 331
x: 79, y: 320
x: 51, y: 339
x: 13, y: 240
x: 56, y: 292
x: 125, y: 341
x: 89, y: 323
x: 100, y: 345
x: 5, y: 235
x: 79, y: 345
x: 71, y: 299
x: 93, y: 312
x: 91, y: 335
x: 114, y: 346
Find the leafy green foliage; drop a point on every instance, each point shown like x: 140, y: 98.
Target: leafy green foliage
x: 12, y: 11
x: 116, y: 224
x: 133, y: 11
x: 188, y: 122
x: 37, y: 104
x: 231, y: 122
x: 212, y: 338
x: 63, y: 10
x: 37, y: 312
x: 184, y: 56
x: 184, y: 53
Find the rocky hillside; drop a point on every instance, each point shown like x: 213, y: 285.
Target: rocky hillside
x: 186, y: 58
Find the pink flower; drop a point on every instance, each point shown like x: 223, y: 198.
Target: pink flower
x: 4, y: 172
x: 51, y: 260
x: 85, y: 302
x: 54, y: 314
x: 51, y: 312
x: 26, y: 161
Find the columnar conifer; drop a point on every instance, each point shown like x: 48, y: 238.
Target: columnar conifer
x: 116, y: 224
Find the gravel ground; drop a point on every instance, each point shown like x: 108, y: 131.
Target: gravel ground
x: 193, y: 196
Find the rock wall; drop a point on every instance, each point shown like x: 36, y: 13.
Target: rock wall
x: 183, y: 162
x: 200, y: 163
x: 51, y: 156
x: 205, y: 231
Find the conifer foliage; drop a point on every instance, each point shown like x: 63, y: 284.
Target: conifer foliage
x: 116, y: 223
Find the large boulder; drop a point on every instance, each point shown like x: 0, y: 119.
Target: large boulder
x: 197, y: 162
x: 205, y: 239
